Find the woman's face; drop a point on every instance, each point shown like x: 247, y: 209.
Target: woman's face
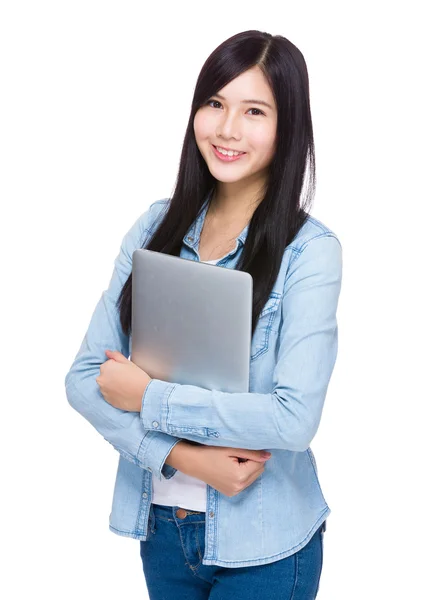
x: 235, y: 119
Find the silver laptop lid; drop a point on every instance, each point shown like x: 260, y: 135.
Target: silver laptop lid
x: 191, y: 321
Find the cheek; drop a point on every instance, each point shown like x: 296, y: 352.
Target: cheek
x: 202, y: 126
x: 264, y: 142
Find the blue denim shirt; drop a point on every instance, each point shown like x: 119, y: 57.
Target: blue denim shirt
x: 293, y: 353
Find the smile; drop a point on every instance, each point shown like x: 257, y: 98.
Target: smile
x: 227, y: 157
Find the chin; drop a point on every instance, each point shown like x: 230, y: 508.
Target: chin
x: 226, y: 178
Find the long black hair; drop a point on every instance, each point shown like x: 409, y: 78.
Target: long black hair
x: 291, y: 173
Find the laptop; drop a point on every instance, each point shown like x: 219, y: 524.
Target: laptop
x: 191, y: 321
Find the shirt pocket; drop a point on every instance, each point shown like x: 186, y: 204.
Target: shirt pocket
x: 266, y: 322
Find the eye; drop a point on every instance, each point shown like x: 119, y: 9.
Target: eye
x: 259, y: 111
x: 213, y: 102
x: 209, y: 102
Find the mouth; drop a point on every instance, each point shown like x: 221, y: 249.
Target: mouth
x: 226, y: 157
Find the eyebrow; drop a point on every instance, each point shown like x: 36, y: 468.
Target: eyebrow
x: 249, y: 101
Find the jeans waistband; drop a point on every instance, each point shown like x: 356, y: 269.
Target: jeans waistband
x: 168, y: 512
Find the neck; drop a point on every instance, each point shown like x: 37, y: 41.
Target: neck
x: 234, y: 201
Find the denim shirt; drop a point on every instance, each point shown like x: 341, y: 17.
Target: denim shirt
x: 293, y: 354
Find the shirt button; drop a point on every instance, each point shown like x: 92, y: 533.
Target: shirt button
x: 155, y: 424
x: 211, y: 514
x: 190, y: 239
x: 144, y: 495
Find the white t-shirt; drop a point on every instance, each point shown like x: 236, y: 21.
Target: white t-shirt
x: 181, y: 490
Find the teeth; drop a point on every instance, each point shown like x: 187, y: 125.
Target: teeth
x: 228, y: 152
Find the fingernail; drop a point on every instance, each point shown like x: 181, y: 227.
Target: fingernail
x: 266, y: 454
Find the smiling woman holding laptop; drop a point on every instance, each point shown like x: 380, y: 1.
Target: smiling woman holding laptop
x: 210, y: 526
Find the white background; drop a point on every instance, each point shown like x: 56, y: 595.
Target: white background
x: 95, y: 98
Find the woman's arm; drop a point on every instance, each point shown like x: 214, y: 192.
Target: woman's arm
x: 288, y: 417
x: 124, y: 430
x: 181, y: 457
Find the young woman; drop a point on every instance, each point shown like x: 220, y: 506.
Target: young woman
x: 211, y: 527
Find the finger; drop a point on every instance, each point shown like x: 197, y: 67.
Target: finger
x: 115, y: 355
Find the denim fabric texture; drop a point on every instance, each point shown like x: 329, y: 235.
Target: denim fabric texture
x: 293, y: 354
x: 172, y: 565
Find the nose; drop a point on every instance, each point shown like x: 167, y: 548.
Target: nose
x: 229, y: 127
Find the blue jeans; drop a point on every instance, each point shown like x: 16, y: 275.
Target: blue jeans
x: 173, y: 569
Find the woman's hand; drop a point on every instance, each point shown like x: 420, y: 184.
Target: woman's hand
x: 220, y: 468
x: 122, y: 383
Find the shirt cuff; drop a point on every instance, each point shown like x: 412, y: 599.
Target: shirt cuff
x: 154, y: 405
x: 154, y: 450
x: 156, y: 445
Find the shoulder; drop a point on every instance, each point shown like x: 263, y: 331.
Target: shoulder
x: 315, y: 251
x: 315, y: 239
x: 145, y: 223
x: 312, y: 229
x: 156, y: 211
